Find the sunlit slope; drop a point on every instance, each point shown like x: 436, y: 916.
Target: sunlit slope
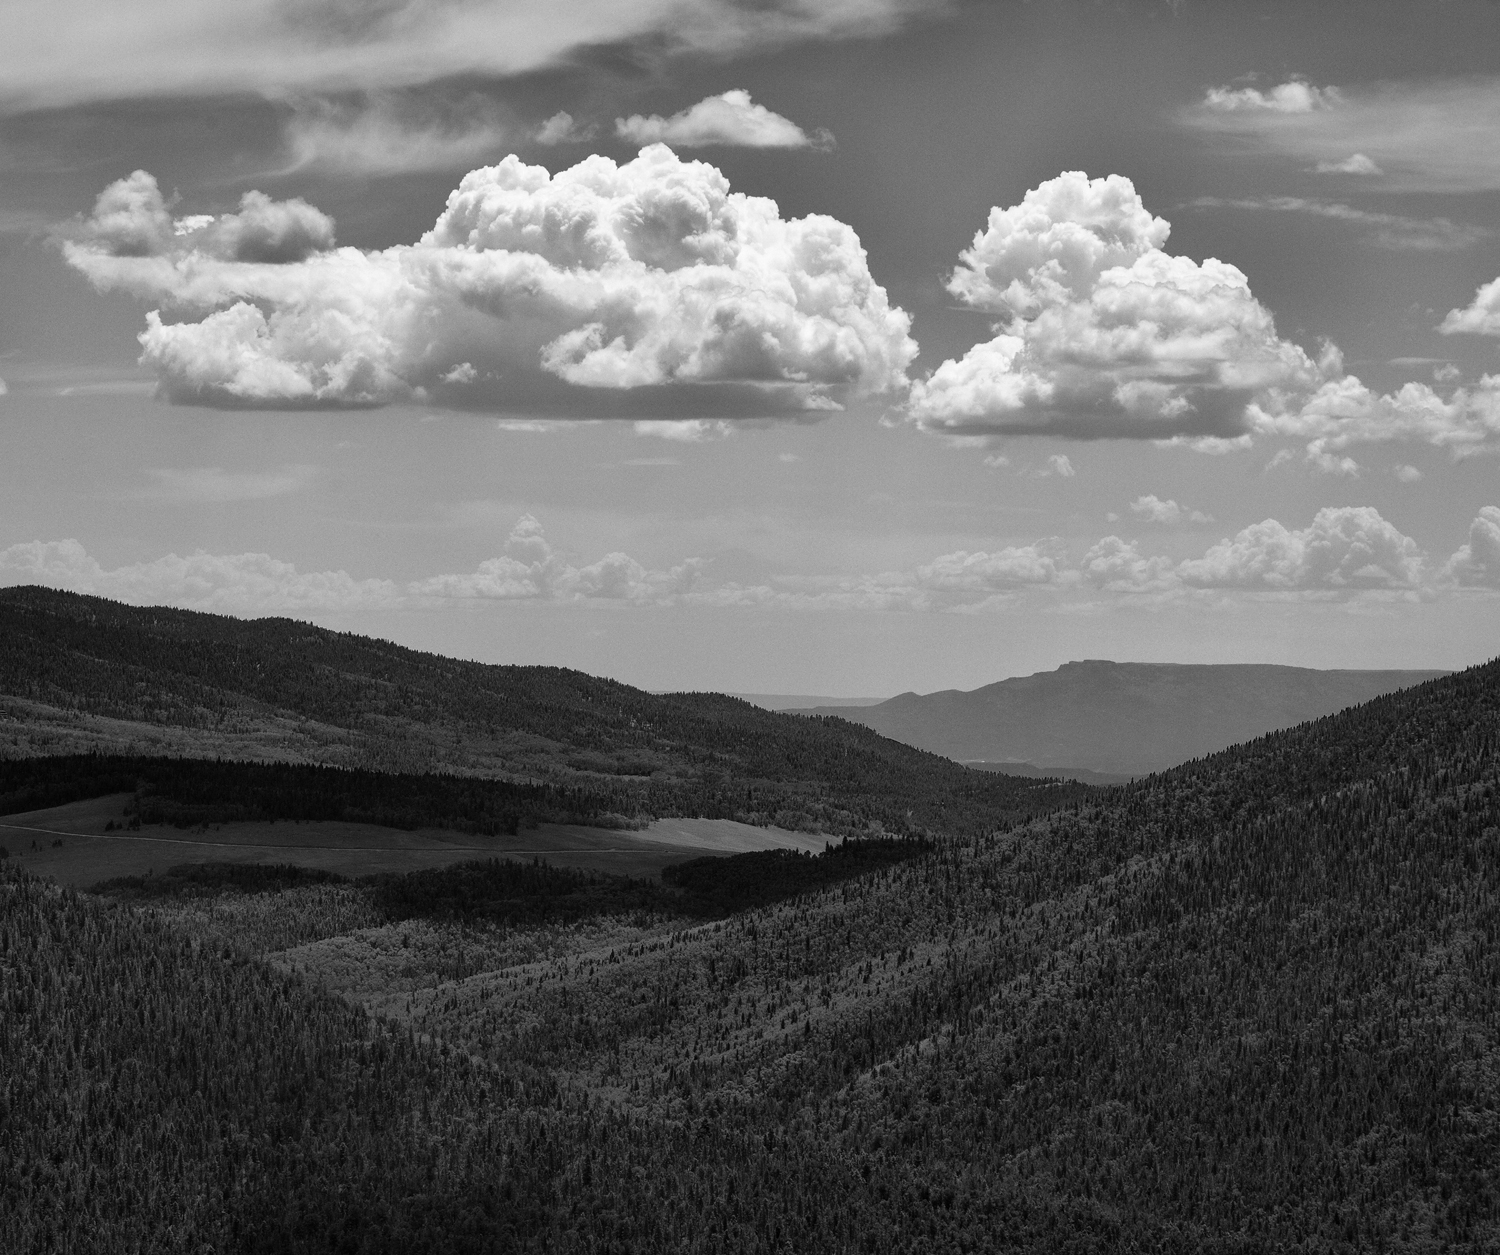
x: 1122, y: 717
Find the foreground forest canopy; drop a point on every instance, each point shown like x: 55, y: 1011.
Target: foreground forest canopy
x: 1251, y: 1004
x: 81, y: 674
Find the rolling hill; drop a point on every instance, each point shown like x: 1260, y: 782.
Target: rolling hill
x: 1120, y: 717
x: 82, y: 675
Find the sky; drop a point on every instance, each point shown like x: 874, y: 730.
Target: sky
x: 842, y: 347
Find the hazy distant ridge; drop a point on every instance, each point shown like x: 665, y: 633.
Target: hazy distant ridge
x: 1121, y: 717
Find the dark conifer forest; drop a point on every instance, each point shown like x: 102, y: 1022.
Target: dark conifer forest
x: 1250, y: 1004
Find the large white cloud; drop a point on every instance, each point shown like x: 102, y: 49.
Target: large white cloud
x: 643, y: 290
x: 1477, y: 563
x: 65, y: 51
x: 730, y: 119
x: 1105, y: 334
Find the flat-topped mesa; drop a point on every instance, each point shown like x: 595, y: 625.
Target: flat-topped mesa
x: 1127, y: 718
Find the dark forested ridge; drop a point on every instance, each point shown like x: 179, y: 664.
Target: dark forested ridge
x: 1122, y: 717
x: 83, y: 673
x: 1251, y: 1004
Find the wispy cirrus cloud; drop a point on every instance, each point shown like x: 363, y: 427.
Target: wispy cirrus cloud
x: 215, y: 485
x: 1384, y: 230
x: 389, y: 134
x: 1434, y: 135
x: 70, y: 51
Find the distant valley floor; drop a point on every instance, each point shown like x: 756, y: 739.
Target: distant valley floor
x: 73, y: 848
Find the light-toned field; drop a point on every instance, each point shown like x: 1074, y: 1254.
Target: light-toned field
x: 69, y: 844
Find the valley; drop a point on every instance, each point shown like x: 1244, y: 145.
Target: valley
x: 1248, y: 1003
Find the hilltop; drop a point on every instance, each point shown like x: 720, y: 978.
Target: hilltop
x: 1126, y: 718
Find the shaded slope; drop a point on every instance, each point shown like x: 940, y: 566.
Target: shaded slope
x: 1122, y: 717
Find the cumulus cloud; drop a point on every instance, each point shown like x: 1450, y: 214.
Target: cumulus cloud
x: 1477, y: 563
x: 1349, y: 547
x: 1118, y: 566
x: 84, y: 52
x: 731, y: 119
x: 1481, y: 317
x: 1153, y: 509
x: 1355, y: 163
x: 561, y: 128
x: 685, y: 430
x: 1417, y: 136
x: 1104, y: 334
x: 1344, y: 552
x: 993, y: 571
x: 531, y: 569
x: 1295, y: 96
x: 1331, y: 463
x: 131, y: 240
x: 255, y: 583
x: 1344, y: 412
x: 646, y: 290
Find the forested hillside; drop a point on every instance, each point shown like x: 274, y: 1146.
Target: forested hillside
x: 85, y: 674
x: 1252, y: 1004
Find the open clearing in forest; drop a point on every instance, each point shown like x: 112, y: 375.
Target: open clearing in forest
x: 72, y: 847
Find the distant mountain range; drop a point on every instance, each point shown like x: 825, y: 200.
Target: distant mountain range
x: 1119, y: 718
x: 796, y: 701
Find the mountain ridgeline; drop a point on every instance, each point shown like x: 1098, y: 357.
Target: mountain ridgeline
x: 1126, y: 718
x: 1249, y: 1004
x: 135, y: 687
